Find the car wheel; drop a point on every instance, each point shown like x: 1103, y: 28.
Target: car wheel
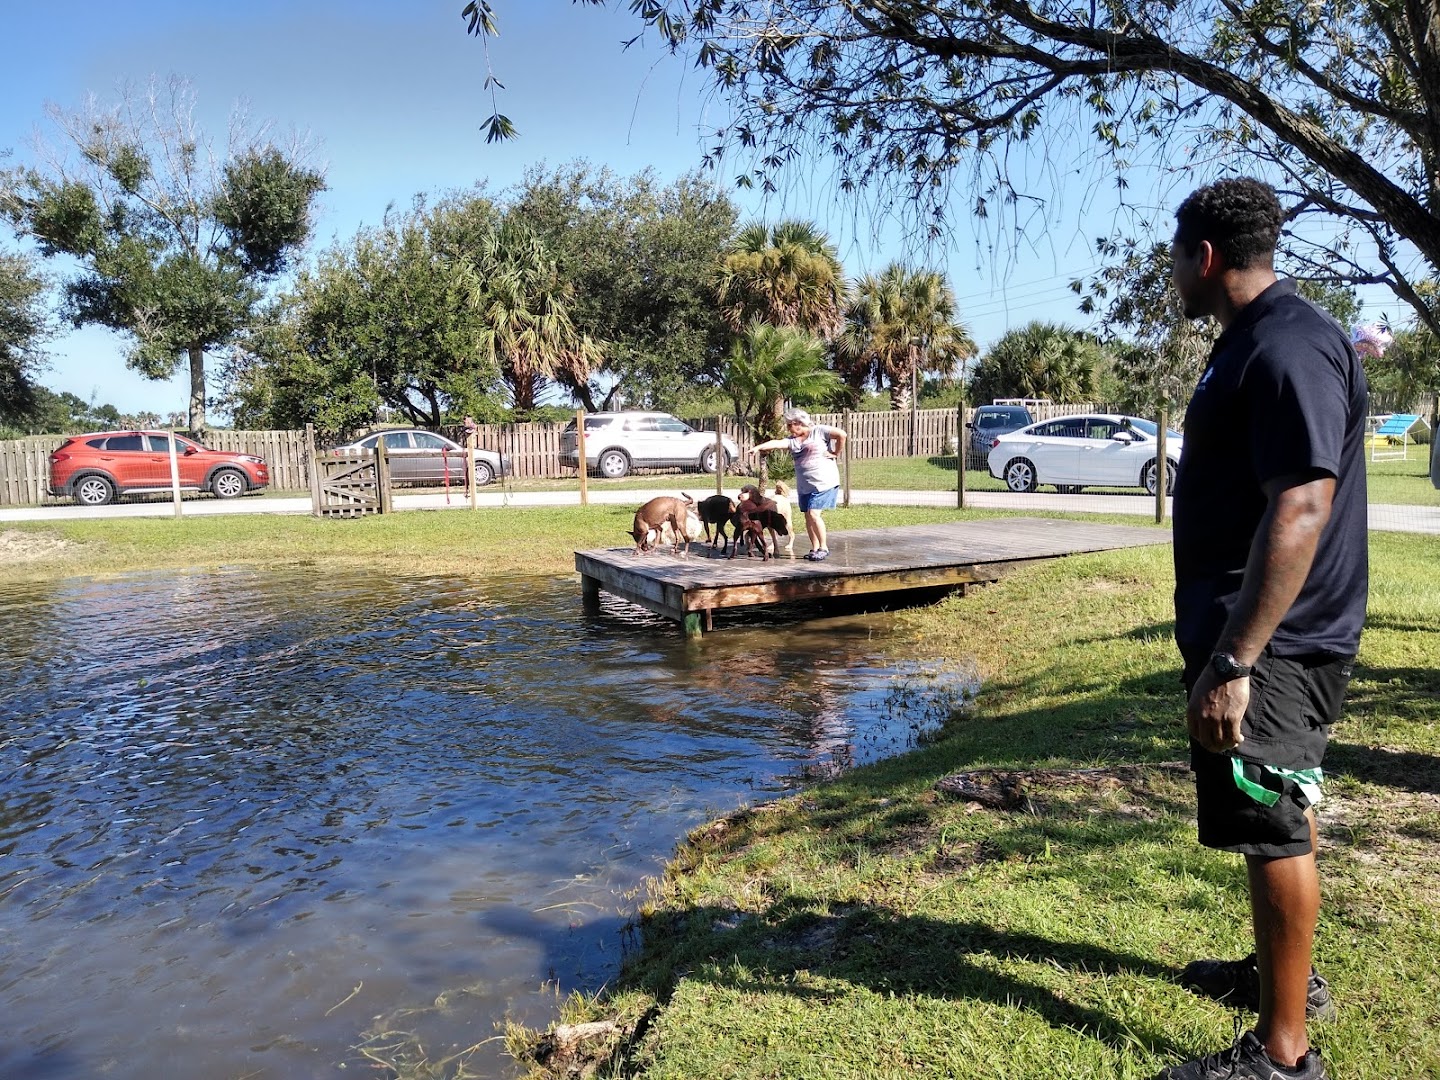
x: 1020, y: 475
x: 1147, y: 477
x: 94, y: 491
x: 614, y: 464
x: 228, y: 483
x: 483, y: 473
x: 708, y: 459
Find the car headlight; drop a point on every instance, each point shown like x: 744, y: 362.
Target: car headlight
x: 251, y: 458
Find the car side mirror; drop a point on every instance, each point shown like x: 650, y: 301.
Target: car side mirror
x: 970, y: 426
x: 1123, y: 437
x: 190, y: 450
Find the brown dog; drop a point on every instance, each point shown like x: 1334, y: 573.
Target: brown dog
x: 754, y: 516
x: 652, y: 518
x: 717, y: 510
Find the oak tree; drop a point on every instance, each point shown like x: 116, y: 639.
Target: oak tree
x: 175, y: 238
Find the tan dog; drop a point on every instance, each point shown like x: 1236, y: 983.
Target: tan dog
x: 652, y: 518
x: 781, y: 498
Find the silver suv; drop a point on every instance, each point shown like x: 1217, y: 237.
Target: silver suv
x: 990, y: 422
x: 617, y: 442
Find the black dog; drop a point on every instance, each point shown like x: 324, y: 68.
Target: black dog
x: 719, y: 511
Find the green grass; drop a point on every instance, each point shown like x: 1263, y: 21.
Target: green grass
x: 1406, y: 482
x: 872, y: 928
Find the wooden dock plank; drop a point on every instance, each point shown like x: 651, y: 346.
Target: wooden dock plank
x: 861, y: 561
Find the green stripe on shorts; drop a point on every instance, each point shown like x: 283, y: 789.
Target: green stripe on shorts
x: 1308, y: 780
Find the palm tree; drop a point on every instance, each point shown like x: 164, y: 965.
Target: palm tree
x: 526, y: 326
x: 1040, y: 360
x: 898, y: 325
x: 786, y: 276
x: 769, y: 365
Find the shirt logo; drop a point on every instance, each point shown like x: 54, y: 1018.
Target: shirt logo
x: 1205, y: 378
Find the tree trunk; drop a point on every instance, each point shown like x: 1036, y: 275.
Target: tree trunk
x: 197, y: 391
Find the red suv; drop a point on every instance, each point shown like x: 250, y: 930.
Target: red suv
x: 97, y: 469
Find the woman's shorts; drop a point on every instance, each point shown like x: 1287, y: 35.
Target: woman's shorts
x: 1253, y: 800
x: 819, y: 500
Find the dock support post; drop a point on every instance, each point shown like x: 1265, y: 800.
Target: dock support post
x: 692, y: 624
x: 590, y: 594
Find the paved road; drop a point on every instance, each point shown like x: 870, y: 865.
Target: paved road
x: 1383, y: 517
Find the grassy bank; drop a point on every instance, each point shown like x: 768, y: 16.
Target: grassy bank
x: 875, y: 928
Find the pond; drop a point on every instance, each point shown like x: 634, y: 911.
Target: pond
x: 282, y: 825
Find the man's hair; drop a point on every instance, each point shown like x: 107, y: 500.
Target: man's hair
x: 1241, y: 219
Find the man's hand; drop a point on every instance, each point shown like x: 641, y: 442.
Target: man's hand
x: 1215, y: 711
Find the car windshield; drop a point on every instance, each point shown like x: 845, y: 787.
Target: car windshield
x: 1149, y: 428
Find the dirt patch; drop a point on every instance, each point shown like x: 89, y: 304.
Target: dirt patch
x: 28, y: 547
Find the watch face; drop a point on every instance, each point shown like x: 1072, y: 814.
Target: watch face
x: 1226, y: 665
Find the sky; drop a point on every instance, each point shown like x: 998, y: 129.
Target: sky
x: 390, y: 100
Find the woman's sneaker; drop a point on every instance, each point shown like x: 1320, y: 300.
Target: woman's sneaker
x: 1246, y: 1060
x: 1237, y: 983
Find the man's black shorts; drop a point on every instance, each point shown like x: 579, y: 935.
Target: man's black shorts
x: 1253, y: 800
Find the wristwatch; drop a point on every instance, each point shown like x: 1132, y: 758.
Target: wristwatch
x: 1227, y: 667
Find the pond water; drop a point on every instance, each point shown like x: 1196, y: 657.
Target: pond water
x: 283, y: 825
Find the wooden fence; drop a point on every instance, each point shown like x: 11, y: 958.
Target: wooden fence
x: 25, y: 469
x: 533, y: 450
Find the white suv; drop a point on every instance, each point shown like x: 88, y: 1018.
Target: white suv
x: 617, y: 442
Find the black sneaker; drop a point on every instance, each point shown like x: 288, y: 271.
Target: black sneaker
x: 1246, y: 1060
x: 1237, y: 983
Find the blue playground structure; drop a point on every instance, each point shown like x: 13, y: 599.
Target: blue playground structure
x: 1394, y: 436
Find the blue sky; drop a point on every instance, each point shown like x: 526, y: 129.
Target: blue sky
x: 391, y: 97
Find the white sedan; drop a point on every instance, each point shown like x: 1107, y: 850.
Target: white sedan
x: 1076, y: 452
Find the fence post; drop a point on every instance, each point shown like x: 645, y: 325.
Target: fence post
x: 1162, y: 480
x: 580, y: 461
x: 472, y: 442
x: 961, y: 445
x: 846, y: 422
x: 719, y: 459
x: 313, y: 470
x: 174, y: 474
x: 382, y: 475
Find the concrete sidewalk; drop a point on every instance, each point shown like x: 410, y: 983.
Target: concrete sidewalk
x: 1383, y: 517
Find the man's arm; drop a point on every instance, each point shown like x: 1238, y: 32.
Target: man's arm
x: 770, y: 444
x: 839, y: 436
x: 1280, y: 559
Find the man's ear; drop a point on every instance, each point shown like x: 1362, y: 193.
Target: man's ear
x: 1208, y: 261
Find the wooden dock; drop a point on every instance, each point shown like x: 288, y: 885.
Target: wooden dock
x: 690, y: 590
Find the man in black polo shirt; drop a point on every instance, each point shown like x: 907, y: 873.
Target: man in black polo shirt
x: 1271, y: 570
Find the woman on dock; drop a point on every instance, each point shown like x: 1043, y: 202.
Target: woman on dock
x: 817, y: 478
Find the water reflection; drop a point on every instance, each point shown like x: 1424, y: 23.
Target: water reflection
x: 244, y: 814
